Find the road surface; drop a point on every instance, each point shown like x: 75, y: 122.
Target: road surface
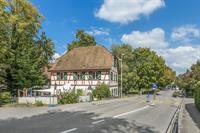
x: 128, y: 115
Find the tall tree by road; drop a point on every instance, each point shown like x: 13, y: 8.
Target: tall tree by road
x: 189, y: 79
x: 142, y: 67
x: 21, y: 49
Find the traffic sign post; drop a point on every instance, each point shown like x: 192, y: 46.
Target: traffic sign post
x: 154, y: 87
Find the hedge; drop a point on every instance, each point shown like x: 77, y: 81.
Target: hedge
x: 68, y: 98
x: 197, y: 96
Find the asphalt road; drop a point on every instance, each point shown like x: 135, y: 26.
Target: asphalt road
x: 127, y: 115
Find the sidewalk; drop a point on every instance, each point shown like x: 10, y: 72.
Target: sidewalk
x: 191, y: 118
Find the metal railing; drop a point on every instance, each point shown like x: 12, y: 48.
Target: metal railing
x: 175, y: 122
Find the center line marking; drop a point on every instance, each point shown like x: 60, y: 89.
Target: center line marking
x: 133, y: 111
x: 70, y: 130
x: 95, y: 122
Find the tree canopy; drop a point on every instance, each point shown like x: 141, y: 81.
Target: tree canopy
x: 142, y: 67
x: 81, y: 39
x: 23, y: 51
x: 189, y: 79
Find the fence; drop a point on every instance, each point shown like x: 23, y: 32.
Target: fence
x: 175, y: 123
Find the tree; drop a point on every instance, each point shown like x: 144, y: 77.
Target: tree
x: 21, y: 49
x: 189, y: 79
x: 142, y: 67
x: 82, y: 39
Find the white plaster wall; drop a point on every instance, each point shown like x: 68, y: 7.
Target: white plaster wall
x: 32, y: 100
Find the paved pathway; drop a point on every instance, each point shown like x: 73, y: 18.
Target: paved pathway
x: 191, y: 118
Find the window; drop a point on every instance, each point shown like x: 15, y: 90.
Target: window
x: 98, y: 75
x: 111, y: 75
x: 90, y: 75
x: 58, y: 76
x: 65, y: 76
x: 115, y: 62
x: 83, y: 76
x: 75, y: 76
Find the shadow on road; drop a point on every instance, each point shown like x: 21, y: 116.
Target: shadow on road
x: 61, y: 121
x: 194, y: 113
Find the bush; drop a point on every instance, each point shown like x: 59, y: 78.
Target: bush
x: 175, y: 94
x: 197, y: 95
x: 39, y: 103
x: 5, y: 98
x: 101, y: 91
x: 79, y: 92
x: 68, y: 97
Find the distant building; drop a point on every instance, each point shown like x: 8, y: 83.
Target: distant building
x: 85, y: 68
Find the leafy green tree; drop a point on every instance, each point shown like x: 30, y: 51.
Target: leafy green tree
x: 22, y: 51
x: 82, y: 39
x: 197, y: 95
x: 142, y: 67
x: 189, y: 79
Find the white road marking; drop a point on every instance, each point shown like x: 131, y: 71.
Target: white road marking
x: 96, y: 122
x: 70, y: 130
x: 133, y: 111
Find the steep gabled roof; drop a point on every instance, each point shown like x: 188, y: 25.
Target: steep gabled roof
x: 84, y: 58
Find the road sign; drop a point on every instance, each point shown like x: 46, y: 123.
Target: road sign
x: 154, y: 86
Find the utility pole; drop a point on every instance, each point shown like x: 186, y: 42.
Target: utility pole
x: 121, y: 76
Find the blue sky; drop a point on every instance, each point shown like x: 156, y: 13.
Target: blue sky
x: 170, y: 27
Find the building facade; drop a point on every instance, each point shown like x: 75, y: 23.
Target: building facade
x: 85, y: 68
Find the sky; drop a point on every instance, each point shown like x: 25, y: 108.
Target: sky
x: 169, y: 27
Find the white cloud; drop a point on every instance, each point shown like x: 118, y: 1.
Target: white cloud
x: 98, y: 31
x: 185, y: 33
x: 124, y: 11
x: 56, y: 55
x: 180, y: 58
x: 152, y: 39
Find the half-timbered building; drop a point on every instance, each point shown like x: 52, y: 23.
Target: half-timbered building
x: 85, y: 68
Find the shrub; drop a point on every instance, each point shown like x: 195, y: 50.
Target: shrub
x: 197, y: 95
x: 5, y: 98
x: 175, y: 94
x: 79, y: 92
x: 39, y: 103
x: 68, y: 97
x: 101, y: 91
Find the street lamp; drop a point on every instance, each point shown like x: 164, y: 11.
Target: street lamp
x: 121, y: 76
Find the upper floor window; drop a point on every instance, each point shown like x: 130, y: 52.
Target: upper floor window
x: 111, y: 75
x: 115, y: 62
x: 59, y: 76
x: 98, y: 75
x: 90, y: 75
x: 75, y: 76
x: 65, y: 76
x: 95, y: 75
x: 82, y: 76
